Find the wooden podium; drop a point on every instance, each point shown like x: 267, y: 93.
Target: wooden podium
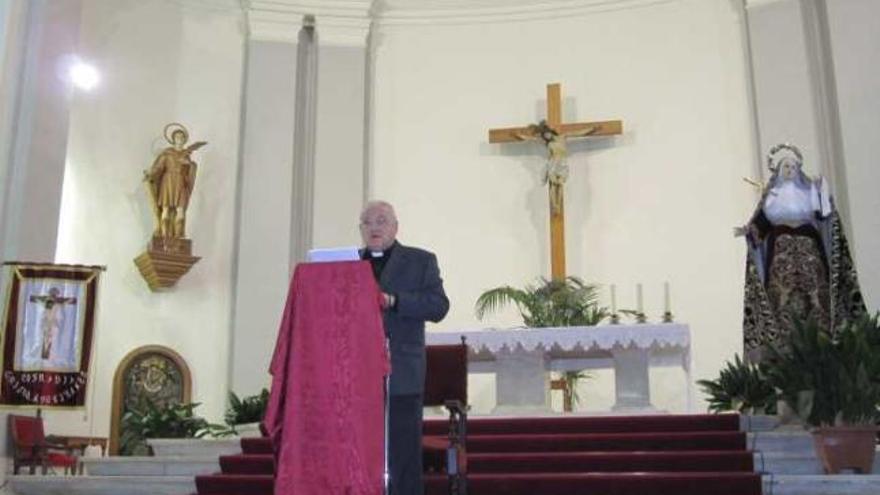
x: 325, y: 413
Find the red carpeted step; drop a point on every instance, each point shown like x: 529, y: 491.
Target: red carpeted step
x: 234, y: 484
x: 644, y: 455
x: 604, y: 484
x: 573, y: 462
x: 615, y: 442
x: 248, y: 464
x: 256, y: 445
x: 585, y: 424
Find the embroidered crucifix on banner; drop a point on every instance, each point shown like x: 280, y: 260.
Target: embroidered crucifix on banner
x: 552, y: 133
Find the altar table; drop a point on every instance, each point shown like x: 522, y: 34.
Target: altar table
x: 522, y: 359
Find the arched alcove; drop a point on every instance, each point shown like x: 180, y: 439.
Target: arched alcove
x: 153, y: 373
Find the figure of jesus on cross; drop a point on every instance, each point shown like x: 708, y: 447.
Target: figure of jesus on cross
x: 52, y: 319
x: 556, y: 172
x: 553, y: 134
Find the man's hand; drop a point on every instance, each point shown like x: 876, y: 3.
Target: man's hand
x: 388, y: 300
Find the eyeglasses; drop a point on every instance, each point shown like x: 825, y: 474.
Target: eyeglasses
x: 379, y: 222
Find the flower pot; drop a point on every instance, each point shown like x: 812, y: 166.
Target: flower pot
x: 846, y: 447
x: 787, y: 415
x: 248, y: 430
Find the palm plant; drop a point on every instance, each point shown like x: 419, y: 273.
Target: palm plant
x: 740, y: 387
x: 552, y: 303
x: 830, y: 380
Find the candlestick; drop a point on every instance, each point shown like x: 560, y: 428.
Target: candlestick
x: 615, y: 318
x: 667, y: 304
x: 613, y: 299
x: 639, y: 306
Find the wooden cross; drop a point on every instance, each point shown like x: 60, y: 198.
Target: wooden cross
x: 556, y: 148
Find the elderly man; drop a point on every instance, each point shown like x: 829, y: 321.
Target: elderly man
x: 412, y: 294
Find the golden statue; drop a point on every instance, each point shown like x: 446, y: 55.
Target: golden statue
x: 170, y: 182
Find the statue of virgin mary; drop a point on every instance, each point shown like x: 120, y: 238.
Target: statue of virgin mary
x: 798, y: 265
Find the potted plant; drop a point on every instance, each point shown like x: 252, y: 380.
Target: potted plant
x: 740, y: 387
x: 244, y: 414
x: 833, y: 383
x: 551, y: 303
x: 171, y: 420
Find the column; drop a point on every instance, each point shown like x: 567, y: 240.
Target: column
x: 35, y: 114
x: 301, y: 166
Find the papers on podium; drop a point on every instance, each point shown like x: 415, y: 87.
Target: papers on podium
x: 323, y: 255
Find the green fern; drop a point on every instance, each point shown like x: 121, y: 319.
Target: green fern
x: 171, y: 420
x: 246, y: 410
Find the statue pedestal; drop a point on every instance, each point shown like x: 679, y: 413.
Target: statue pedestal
x: 165, y: 261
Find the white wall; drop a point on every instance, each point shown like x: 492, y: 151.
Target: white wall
x: 265, y: 212
x: 787, y: 107
x: 339, y: 147
x: 39, y: 126
x: 13, y: 34
x: 855, y: 42
x: 782, y: 79
x: 161, y: 62
x: 655, y: 204
x: 267, y: 242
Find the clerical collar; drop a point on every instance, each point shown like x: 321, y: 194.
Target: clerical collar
x: 370, y: 254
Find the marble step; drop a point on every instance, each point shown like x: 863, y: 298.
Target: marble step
x: 841, y: 484
x: 151, y: 466
x: 23, y: 484
x: 758, y: 422
x: 786, y: 441
x: 195, y: 447
x: 805, y: 463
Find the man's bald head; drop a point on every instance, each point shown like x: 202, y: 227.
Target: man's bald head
x: 378, y: 225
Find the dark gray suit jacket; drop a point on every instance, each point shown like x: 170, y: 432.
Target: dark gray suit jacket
x: 412, y: 275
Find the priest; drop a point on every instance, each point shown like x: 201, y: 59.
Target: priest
x: 412, y: 293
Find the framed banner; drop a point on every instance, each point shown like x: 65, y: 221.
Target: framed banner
x: 47, y: 334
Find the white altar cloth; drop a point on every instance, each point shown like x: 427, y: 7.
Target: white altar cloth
x: 522, y: 359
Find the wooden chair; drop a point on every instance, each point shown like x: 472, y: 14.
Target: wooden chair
x: 446, y: 385
x: 31, y: 448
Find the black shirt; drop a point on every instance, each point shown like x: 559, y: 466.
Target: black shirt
x: 378, y: 262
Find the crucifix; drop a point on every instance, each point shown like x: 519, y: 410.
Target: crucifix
x: 552, y: 133
x: 50, y: 323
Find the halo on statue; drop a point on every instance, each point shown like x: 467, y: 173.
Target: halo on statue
x: 773, y: 160
x: 174, y: 127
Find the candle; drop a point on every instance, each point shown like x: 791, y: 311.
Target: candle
x: 639, y: 306
x: 667, y: 301
x: 613, y: 299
